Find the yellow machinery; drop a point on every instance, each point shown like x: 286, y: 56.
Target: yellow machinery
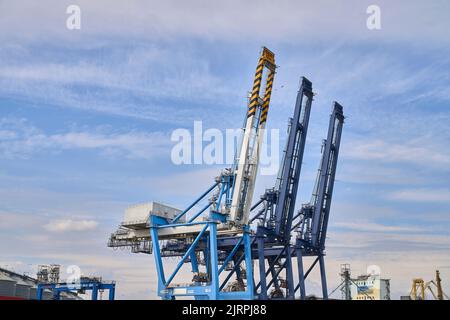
x: 419, y: 287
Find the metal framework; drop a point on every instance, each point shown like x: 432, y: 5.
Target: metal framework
x: 215, y: 234
x: 419, y: 288
x: 275, y: 225
x: 229, y: 210
x: 313, y: 217
x: 93, y: 285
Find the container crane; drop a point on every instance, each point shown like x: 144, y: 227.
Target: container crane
x: 419, y: 287
x: 313, y: 217
x: 236, y: 185
x: 246, y: 165
x: 220, y: 240
x: 279, y: 202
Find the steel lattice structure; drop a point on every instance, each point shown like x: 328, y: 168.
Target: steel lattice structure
x: 223, y: 237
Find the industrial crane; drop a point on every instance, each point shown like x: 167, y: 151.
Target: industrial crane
x: 229, y: 218
x: 215, y: 233
x: 419, y: 287
x: 313, y: 217
x: 274, y: 233
x: 246, y: 165
x: 278, y: 203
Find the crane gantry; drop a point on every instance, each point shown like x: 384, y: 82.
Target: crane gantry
x: 216, y: 234
x: 246, y: 165
x: 419, y: 288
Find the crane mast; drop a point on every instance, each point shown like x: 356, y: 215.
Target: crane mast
x: 313, y: 217
x: 215, y: 235
x: 312, y: 227
x: 246, y: 165
x: 327, y: 174
x: 292, y: 162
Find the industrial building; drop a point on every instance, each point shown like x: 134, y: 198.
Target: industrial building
x: 370, y: 287
x: 364, y: 287
x: 14, y: 286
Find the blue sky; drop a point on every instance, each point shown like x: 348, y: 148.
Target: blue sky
x: 86, y: 118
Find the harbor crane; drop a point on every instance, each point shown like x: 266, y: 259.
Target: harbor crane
x: 221, y: 234
x: 419, y: 288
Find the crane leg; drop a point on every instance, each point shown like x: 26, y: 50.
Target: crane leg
x: 276, y: 283
x: 289, y: 275
x: 262, y: 268
x: 301, y: 274
x: 323, y: 277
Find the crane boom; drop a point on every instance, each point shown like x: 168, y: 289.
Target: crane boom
x: 325, y: 183
x: 292, y: 162
x: 246, y: 165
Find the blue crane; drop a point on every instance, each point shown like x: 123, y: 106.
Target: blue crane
x: 313, y: 217
x: 274, y: 228
x: 216, y: 235
x: 84, y: 284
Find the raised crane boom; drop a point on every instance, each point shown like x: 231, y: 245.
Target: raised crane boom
x: 292, y: 162
x: 246, y: 165
x: 322, y: 195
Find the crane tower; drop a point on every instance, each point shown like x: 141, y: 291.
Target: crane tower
x: 221, y: 235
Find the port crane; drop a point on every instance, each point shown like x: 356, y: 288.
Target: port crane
x: 310, y: 223
x: 313, y: 217
x: 419, y: 287
x: 216, y: 233
x: 229, y: 217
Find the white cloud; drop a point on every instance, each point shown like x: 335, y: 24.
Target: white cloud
x: 69, y: 225
x: 422, y: 195
x: 381, y: 150
x: 24, y: 139
x: 364, y: 226
x: 131, y: 81
x: 289, y: 19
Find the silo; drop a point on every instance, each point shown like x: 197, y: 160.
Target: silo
x: 22, y: 289
x: 7, y: 286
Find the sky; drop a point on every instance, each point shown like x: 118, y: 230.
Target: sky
x: 86, y: 118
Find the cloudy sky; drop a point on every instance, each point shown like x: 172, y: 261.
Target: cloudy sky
x: 86, y: 117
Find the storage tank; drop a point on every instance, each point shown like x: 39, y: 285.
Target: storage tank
x: 7, y: 286
x: 22, y: 290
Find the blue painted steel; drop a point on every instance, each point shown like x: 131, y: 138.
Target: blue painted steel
x: 271, y: 245
x: 250, y: 294
x: 230, y: 256
x: 292, y: 162
x: 188, y: 252
x: 83, y: 284
x: 323, y: 277
x: 195, y: 202
x: 194, y: 262
x: 327, y: 173
x: 158, y: 259
x: 214, y: 261
x: 301, y: 275
x: 200, y: 212
x: 262, y: 265
x: 212, y: 289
